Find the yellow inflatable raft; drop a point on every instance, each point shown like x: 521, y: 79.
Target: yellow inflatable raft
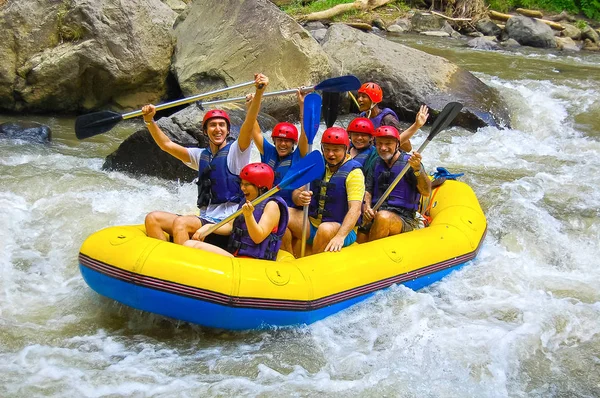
x: 240, y: 293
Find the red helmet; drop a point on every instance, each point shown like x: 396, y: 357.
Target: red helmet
x: 259, y: 174
x: 373, y: 91
x: 285, y: 130
x: 387, y: 131
x: 335, y: 135
x: 361, y: 125
x: 213, y: 114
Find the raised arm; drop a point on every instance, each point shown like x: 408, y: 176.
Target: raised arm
x: 161, y: 139
x: 420, y: 120
x: 256, y: 133
x: 245, y: 137
x: 303, y: 140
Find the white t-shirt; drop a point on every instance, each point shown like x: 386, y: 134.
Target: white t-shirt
x: 236, y: 160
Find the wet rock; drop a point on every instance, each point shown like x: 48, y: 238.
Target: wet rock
x: 29, y: 131
x: 420, y: 78
x: 253, y: 36
x: 589, y: 33
x: 484, y: 43
x: 84, y: 54
x: 571, y: 31
x: 319, y: 34
x: 510, y: 43
x: 395, y: 29
x: 566, y: 44
x: 530, y: 32
x: 426, y: 22
x: 488, y: 28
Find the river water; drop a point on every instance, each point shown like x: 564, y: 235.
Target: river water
x: 519, y: 321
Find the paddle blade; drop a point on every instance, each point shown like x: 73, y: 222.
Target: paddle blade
x: 309, y: 168
x: 444, y: 119
x: 312, y: 116
x: 95, y: 123
x: 339, y: 84
x: 331, y: 104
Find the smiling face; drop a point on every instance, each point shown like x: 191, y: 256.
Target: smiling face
x: 333, y: 153
x: 249, y: 190
x: 216, y: 129
x: 364, y: 102
x: 386, y: 147
x: 284, y: 146
x: 360, y: 140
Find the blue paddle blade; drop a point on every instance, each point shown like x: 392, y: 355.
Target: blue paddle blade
x: 309, y: 168
x: 339, y: 84
x: 312, y: 116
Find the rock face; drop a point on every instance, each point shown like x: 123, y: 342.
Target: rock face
x: 226, y: 43
x: 84, y: 54
x: 139, y: 154
x: 530, y: 32
x: 30, y: 131
x: 411, y: 77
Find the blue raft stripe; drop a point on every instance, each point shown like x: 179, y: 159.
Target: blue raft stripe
x: 276, y: 304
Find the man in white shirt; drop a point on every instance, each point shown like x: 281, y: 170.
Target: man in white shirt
x: 219, y: 166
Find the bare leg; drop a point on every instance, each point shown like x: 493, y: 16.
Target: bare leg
x: 295, y: 227
x: 325, y: 233
x: 184, y: 227
x: 159, y: 222
x: 385, y: 224
x: 196, y: 244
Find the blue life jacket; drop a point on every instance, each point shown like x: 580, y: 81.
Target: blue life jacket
x: 216, y: 184
x: 336, y: 197
x: 377, y: 120
x: 404, y: 194
x: 363, y: 155
x: 240, y: 239
x: 280, y: 167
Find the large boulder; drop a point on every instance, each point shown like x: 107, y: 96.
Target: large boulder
x: 139, y: 154
x: 84, y: 54
x: 411, y: 77
x: 226, y: 43
x: 530, y: 32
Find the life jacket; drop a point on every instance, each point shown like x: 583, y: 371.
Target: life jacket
x: 240, y: 242
x: 363, y: 155
x: 216, y: 184
x: 404, y: 194
x: 336, y: 197
x: 280, y: 168
x: 377, y: 120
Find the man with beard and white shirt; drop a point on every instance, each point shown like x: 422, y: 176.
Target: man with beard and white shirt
x: 397, y: 213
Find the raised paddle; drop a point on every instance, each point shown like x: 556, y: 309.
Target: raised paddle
x: 305, y: 170
x: 331, y: 103
x: 92, y: 124
x: 333, y: 85
x: 443, y: 120
x: 311, y: 121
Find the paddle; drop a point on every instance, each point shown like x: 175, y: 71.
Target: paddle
x: 311, y: 121
x: 331, y: 103
x: 443, y: 120
x: 333, y: 85
x: 100, y: 122
x: 310, y: 167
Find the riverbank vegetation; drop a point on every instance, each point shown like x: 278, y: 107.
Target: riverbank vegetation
x: 455, y: 8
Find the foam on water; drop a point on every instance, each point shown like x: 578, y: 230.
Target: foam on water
x: 520, y: 320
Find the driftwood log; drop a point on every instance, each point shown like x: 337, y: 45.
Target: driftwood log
x: 439, y: 14
x: 530, y: 13
x: 363, y: 5
x: 505, y: 17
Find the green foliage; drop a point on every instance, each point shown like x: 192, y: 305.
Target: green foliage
x: 591, y: 8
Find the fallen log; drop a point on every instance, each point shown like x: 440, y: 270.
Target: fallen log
x: 359, y: 25
x: 505, y: 17
x: 363, y: 5
x: 530, y: 13
x: 450, y: 18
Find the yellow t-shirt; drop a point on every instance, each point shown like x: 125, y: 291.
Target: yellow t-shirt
x: 355, y: 188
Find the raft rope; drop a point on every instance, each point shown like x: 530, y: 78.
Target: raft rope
x: 440, y: 173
